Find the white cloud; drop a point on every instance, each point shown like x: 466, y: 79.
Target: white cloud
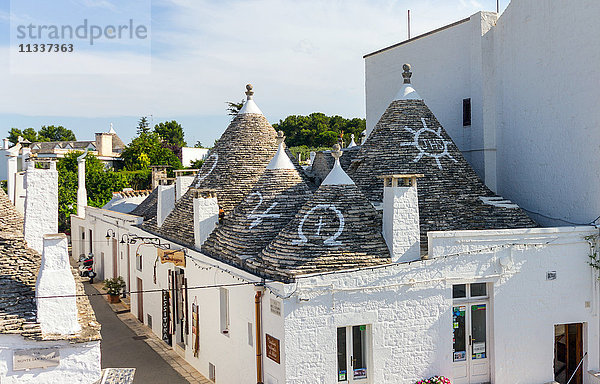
x: 301, y: 56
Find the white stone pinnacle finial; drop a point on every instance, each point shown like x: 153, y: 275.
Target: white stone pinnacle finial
x: 249, y: 91
x: 352, y: 142
x: 250, y: 106
x: 337, y: 176
x: 407, y: 74
x: 336, y: 152
x: 407, y: 92
x: 280, y: 137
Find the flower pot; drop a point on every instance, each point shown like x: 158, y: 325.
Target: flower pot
x: 114, y: 299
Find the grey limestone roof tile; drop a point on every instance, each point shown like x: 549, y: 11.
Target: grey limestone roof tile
x: 336, y: 229
x: 408, y: 139
x: 232, y: 168
x: 19, y: 266
x: 271, y: 204
x: 147, y: 208
x: 323, y: 161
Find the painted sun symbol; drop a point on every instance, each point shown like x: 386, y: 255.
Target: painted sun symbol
x: 429, y: 143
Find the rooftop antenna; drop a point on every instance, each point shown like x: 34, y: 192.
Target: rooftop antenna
x: 497, y: 6
x: 409, y: 24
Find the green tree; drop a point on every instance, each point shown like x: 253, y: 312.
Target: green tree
x: 171, y: 132
x: 100, y: 184
x: 28, y: 134
x: 55, y: 133
x: 234, y: 108
x: 143, y: 126
x: 319, y: 130
x: 198, y: 144
x: 147, y: 149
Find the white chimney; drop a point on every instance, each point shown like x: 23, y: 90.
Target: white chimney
x: 166, y: 202
x: 25, y: 154
x: 182, y: 184
x: 401, y: 217
x: 56, y: 315
x: 41, y: 204
x: 104, y: 144
x: 12, y: 164
x: 5, y: 143
x: 81, y: 191
x: 206, y: 215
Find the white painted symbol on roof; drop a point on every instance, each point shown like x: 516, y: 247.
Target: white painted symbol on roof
x: 214, y: 156
x: 429, y: 143
x: 330, y: 241
x: 258, y: 217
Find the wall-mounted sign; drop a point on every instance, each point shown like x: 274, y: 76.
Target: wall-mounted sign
x: 24, y: 359
x: 276, y: 307
x: 166, y: 317
x: 272, y: 348
x: 171, y: 256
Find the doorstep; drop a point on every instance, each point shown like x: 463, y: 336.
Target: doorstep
x: 124, y: 305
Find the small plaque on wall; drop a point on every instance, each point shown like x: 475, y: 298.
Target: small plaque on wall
x: 276, y: 307
x: 25, y: 359
x: 272, y: 348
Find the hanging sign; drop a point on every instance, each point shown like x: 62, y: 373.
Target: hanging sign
x: 166, y: 317
x: 195, y: 329
x: 272, y: 348
x: 25, y: 359
x: 171, y: 256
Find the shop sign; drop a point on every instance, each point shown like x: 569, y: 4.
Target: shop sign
x: 272, y: 348
x: 276, y: 307
x: 171, y: 256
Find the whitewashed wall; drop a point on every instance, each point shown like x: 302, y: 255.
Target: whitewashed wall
x: 410, y: 309
x: 189, y: 154
x: 546, y: 74
x: 79, y: 363
x: 233, y: 356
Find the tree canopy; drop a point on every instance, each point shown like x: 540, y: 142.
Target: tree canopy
x: 46, y: 133
x: 151, y: 148
x: 171, y: 132
x: 319, y: 130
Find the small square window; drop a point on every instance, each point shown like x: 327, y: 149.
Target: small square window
x: 478, y: 289
x: 459, y: 291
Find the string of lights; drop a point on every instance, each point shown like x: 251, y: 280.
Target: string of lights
x: 147, y: 290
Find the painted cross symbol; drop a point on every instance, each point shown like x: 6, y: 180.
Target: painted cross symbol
x: 320, y: 225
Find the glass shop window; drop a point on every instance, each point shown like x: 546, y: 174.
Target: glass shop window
x: 353, y: 353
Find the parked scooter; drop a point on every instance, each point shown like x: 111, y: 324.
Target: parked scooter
x: 86, y: 266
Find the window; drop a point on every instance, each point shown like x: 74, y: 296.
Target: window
x: 352, y: 353
x: 466, y: 112
x: 138, y: 261
x: 224, y: 309
x: 149, y: 320
x: 466, y: 291
x: 211, y: 372
x: 250, y: 335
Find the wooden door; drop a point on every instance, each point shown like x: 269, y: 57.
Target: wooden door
x: 115, y: 258
x: 568, y: 353
x: 140, y: 300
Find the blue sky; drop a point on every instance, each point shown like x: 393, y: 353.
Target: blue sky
x: 301, y: 56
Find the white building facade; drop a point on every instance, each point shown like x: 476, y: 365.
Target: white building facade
x: 527, y: 82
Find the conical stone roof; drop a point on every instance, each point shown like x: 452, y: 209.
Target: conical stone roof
x: 336, y: 229
x: 272, y: 203
x: 232, y: 168
x: 408, y: 139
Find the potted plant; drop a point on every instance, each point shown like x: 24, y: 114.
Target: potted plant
x: 114, y: 287
x: 435, y: 380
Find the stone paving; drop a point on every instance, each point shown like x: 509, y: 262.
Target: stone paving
x: 155, y: 343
